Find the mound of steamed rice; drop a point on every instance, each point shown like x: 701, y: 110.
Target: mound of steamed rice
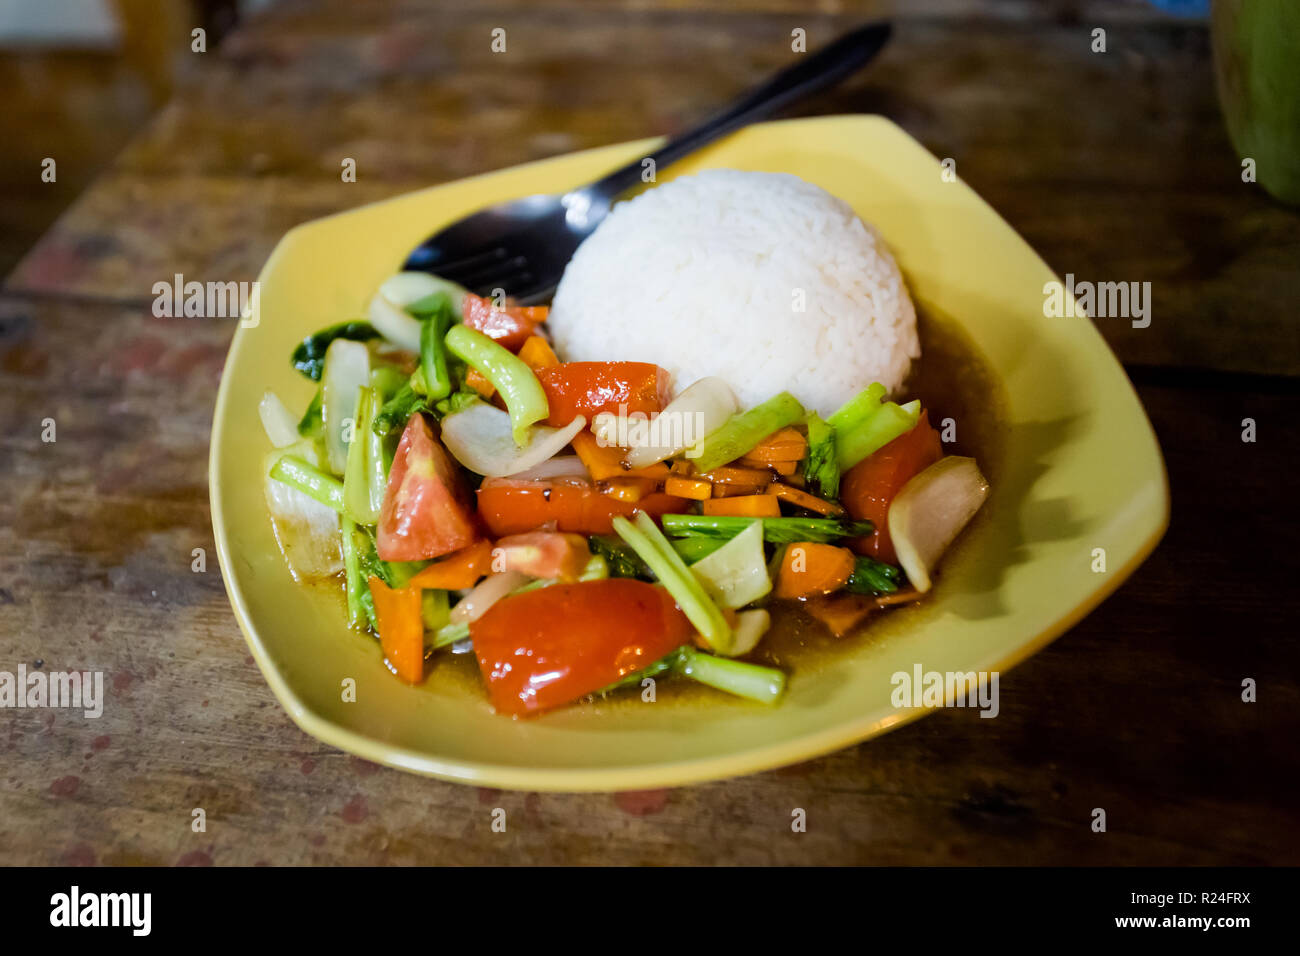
x: 762, y: 279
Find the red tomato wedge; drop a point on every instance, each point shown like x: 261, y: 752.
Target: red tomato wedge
x: 401, y: 629
x: 512, y: 506
x: 545, y: 648
x: 510, y: 326
x: 588, y: 388
x: 427, y: 511
x: 869, y: 487
x: 542, y: 554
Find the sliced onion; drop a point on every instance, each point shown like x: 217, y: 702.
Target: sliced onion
x: 347, y: 369
x: 749, y: 630
x: 407, y: 287
x: 481, y: 438
x: 276, y: 420
x: 561, y: 466
x: 395, y: 323
x: 486, y: 593
x: 930, y: 511
x: 701, y: 408
x: 306, y: 530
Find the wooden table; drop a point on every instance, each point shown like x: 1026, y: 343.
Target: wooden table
x: 1113, y: 165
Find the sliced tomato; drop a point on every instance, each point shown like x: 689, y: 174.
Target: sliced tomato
x: 868, y: 488
x: 510, y: 326
x: 542, y: 554
x: 427, y: 511
x: 545, y: 648
x: 588, y: 388
x: 512, y: 506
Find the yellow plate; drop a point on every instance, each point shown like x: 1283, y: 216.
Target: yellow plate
x: 1080, y: 470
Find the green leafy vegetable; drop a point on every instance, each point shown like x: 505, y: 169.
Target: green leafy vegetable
x: 821, y: 469
x: 395, y: 412
x: 309, y: 355
x: 742, y: 432
x: 619, y: 556
x: 873, y: 577
x: 775, y: 530
x: 313, y: 422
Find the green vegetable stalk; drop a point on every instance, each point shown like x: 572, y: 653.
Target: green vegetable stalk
x: 653, y: 548
x: 753, y: 681
x: 889, y: 422
x: 352, y: 568
x: 433, y: 351
x: 364, y: 476
x: 775, y: 530
x: 518, y: 386
x: 310, y: 480
x: 822, y: 469
x: 742, y: 432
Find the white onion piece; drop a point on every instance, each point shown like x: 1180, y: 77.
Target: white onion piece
x: 701, y: 408
x: 930, y: 511
x: 280, y: 427
x: 395, y: 323
x: 481, y: 438
x: 486, y: 593
x: 347, y: 369
x: 749, y: 630
x: 306, y: 530
x: 561, y: 466
x: 407, y: 287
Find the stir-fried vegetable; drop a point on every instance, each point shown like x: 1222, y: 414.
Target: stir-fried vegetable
x: 549, y: 646
x: 554, y: 572
x: 653, y: 548
x: 309, y: 356
x: 775, y: 530
x: 870, y: 486
x: 483, y: 438
x: 593, y: 388
x: 736, y: 573
x: 310, y: 480
x: 821, y: 468
x: 401, y: 629
x: 510, y: 326
x: 525, y: 400
x: 426, y: 510
x: 930, y: 512
x: 347, y: 369
x: 365, y: 475
x: 435, y: 377
x: 809, y: 568
x: 744, y: 431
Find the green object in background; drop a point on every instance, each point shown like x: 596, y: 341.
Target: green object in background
x: 1257, y: 65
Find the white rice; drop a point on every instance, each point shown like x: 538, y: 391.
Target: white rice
x: 705, y: 275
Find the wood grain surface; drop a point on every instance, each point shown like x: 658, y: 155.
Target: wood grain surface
x: 1114, y: 166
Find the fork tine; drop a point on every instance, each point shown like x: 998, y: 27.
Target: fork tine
x: 490, y: 271
x: 468, y: 264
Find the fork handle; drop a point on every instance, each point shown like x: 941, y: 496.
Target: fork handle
x: 813, y: 73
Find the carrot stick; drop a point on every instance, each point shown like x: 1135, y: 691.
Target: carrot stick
x: 809, y: 568
x: 745, y: 506
x: 458, y: 570
x: 401, y: 629
x: 627, y: 489
x: 606, y: 461
x: 537, y: 353
x: 729, y: 475
x: 692, y: 488
x: 784, y: 445
x: 478, y: 381
x: 802, y: 499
